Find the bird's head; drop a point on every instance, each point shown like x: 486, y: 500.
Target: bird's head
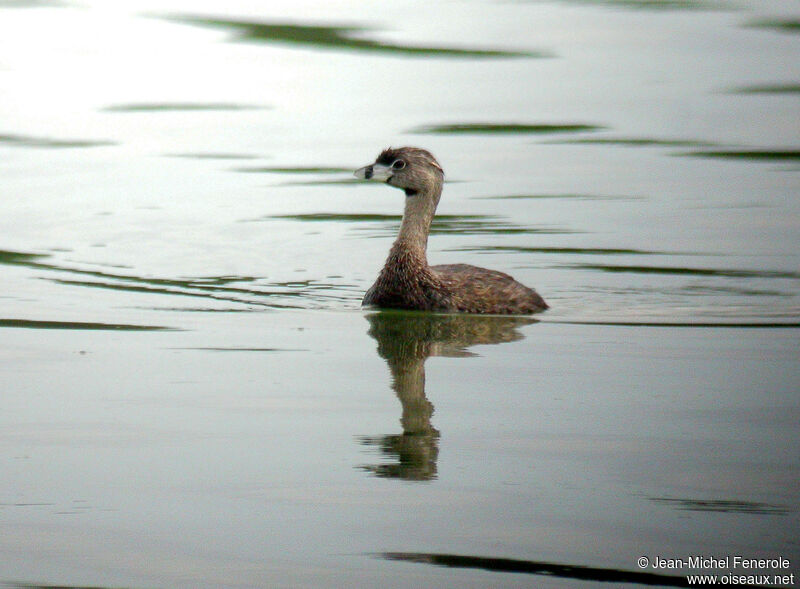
x: 411, y: 169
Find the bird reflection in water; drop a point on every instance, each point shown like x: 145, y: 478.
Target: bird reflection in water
x: 405, y: 340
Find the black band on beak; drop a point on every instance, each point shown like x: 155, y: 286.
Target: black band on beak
x: 368, y: 172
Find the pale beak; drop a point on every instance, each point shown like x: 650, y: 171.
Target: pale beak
x: 377, y: 172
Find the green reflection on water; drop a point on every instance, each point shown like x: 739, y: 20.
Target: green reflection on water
x: 78, y: 325
x: 442, y: 224
x: 335, y: 37
x: 559, y: 196
x: 554, y: 250
x: 506, y: 128
x: 638, y: 142
x: 658, y: 4
x: 768, y: 89
x: 13, y: 140
x: 781, y: 25
x: 10, y: 257
x: 769, y: 155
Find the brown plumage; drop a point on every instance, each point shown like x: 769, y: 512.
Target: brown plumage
x: 406, y: 280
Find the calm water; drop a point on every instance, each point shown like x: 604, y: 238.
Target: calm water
x: 191, y: 394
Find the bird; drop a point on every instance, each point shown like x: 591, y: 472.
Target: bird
x: 406, y: 280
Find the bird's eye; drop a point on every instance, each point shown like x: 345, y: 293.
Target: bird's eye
x: 398, y: 165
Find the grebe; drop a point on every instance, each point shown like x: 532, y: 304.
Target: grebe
x: 406, y: 280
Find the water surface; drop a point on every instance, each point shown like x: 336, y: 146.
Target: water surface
x: 192, y: 395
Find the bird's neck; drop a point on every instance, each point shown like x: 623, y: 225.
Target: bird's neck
x: 417, y: 217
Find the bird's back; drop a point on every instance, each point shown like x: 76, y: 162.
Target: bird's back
x: 479, y: 290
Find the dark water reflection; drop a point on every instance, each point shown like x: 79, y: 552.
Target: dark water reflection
x: 786, y: 25
x: 768, y: 89
x: 15, y: 140
x: 80, y: 325
x: 335, y: 37
x: 406, y: 340
x: 768, y: 155
x: 547, y: 569
x: 722, y: 506
x: 665, y: 5
x: 505, y: 128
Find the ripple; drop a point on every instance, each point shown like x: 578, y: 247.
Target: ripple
x: 725, y: 272
x: 638, y: 142
x: 442, y: 224
x: 336, y: 182
x: 706, y: 290
x: 270, y: 295
x: 180, y: 106
x: 30, y: 3
x: 722, y: 506
x: 274, y: 295
x: 560, y: 197
x: 208, y: 349
x: 689, y: 324
x: 602, y: 251
x: 213, y: 156
x: 293, y: 170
